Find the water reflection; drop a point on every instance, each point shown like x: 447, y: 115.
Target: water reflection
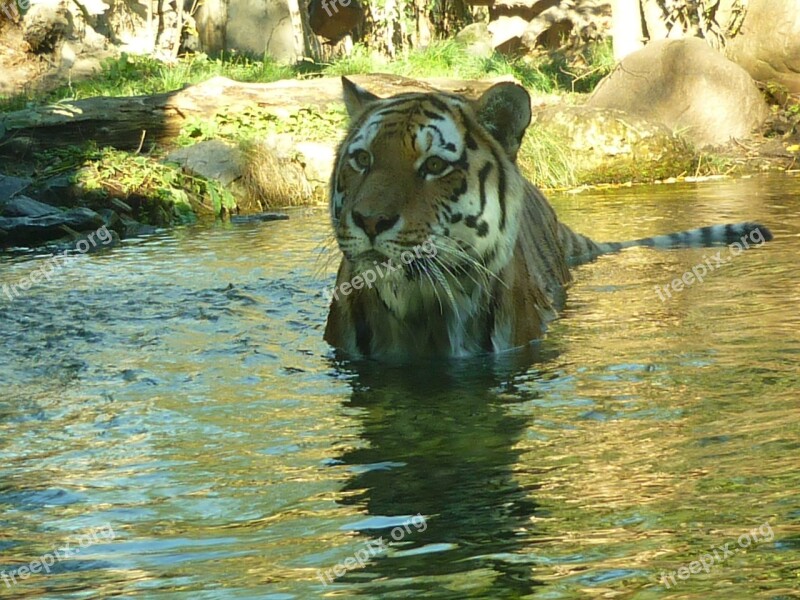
x: 442, y: 442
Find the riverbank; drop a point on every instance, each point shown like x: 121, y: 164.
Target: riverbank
x: 224, y: 147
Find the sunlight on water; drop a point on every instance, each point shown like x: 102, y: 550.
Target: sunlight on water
x: 173, y: 426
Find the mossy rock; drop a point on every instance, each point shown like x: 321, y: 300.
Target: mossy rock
x: 609, y: 146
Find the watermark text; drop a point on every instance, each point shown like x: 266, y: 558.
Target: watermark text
x: 719, y: 554
x: 371, y: 549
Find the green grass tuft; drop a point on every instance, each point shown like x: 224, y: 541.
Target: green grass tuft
x: 546, y: 160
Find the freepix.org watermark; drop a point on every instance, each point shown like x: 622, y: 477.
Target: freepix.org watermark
x: 330, y: 6
x: 369, y: 276
x: 370, y: 549
x: 719, y: 554
x: 711, y: 263
x: 11, y: 8
x: 49, y: 267
x: 44, y: 563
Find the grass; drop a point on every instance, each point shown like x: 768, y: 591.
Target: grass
x: 131, y: 75
x: 546, y: 160
x: 544, y: 73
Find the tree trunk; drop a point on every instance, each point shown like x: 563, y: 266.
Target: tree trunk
x: 141, y: 121
x: 211, y: 20
x: 626, y: 28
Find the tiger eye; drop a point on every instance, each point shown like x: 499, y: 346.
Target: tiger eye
x: 434, y: 165
x: 362, y: 158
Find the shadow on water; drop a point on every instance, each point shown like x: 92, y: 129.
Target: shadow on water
x: 441, y: 442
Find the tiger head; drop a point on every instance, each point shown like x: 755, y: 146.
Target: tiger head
x: 430, y: 168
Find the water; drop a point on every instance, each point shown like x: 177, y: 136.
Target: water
x: 170, y: 411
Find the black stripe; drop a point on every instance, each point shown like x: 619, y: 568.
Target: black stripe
x: 676, y: 239
x: 363, y: 332
x: 468, y: 139
x: 439, y: 104
x: 730, y: 233
x: 438, y: 131
x: 390, y: 111
x: 456, y: 195
x: 462, y: 161
x: 481, y: 227
x: 501, y: 190
x: 432, y: 115
x: 442, y: 142
x: 708, y: 239
x: 483, y: 174
x: 396, y: 101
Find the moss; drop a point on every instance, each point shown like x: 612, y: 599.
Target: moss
x: 158, y: 193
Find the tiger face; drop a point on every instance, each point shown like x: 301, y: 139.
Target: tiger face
x: 429, y: 169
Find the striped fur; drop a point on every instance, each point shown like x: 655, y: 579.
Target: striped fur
x: 581, y: 249
x: 438, y: 170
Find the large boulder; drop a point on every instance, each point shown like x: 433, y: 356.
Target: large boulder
x: 687, y: 86
x: 768, y: 45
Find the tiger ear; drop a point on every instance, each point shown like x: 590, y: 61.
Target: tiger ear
x: 505, y: 111
x: 356, y: 98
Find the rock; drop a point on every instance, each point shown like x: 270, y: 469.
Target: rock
x: 317, y: 160
x: 132, y: 228
x: 610, y: 146
x: 548, y: 30
x: 57, y: 191
x: 507, y: 32
x: 768, y: 45
x: 10, y: 186
x: 212, y: 159
x: 110, y: 218
x: 33, y: 231
x: 259, y: 218
x: 22, y: 206
x: 255, y: 27
x: 45, y: 24
x: 477, y: 39
x: 687, y: 86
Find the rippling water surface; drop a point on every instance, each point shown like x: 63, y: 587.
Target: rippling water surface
x: 173, y: 426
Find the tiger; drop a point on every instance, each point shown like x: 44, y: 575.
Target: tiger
x: 433, y: 176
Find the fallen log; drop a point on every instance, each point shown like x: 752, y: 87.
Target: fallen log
x: 128, y: 123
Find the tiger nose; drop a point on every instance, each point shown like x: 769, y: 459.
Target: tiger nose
x: 374, y: 225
